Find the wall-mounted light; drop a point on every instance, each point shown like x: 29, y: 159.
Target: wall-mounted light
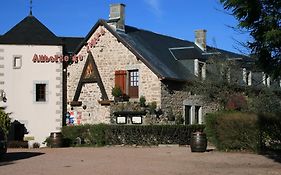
x: 3, y: 96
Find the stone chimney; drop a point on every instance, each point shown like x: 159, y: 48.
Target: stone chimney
x: 200, y: 39
x: 117, y: 16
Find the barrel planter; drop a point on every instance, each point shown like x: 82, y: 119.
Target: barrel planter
x: 55, y: 139
x: 198, y: 142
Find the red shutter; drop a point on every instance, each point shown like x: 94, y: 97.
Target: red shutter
x: 120, y: 79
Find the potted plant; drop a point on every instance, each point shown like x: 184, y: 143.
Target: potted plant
x: 116, y: 93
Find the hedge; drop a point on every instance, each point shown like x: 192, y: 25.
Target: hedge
x: 102, y: 134
x: 243, y: 131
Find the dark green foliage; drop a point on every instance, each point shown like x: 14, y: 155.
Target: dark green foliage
x: 17, y: 144
x: 102, y: 134
x: 270, y: 127
x: 116, y: 91
x: 233, y: 131
x: 262, y: 19
x: 142, y: 101
x: 243, y: 131
x: 5, y: 121
x: 266, y: 101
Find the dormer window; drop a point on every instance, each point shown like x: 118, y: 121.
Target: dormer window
x: 266, y: 79
x: 247, y: 77
x: 200, y: 69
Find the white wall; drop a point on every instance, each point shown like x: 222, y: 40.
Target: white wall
x: 39, y: 118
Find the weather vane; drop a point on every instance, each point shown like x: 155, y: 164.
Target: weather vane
x: 30, y: 12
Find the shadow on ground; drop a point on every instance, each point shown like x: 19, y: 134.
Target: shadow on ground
x: 9, y: 158
x: 274, y: 155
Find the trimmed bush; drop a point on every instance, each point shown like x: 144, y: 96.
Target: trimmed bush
x: 102, y: 134
x: 244, y: 131
x: 233, y: 131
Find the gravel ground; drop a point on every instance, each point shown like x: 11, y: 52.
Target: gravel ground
x: 134, y: 161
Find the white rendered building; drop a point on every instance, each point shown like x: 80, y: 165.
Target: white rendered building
x: 31, y: 84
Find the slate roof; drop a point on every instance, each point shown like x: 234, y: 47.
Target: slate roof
x: 30, y: 31
x: 70, y: 43
x: 162, y: 54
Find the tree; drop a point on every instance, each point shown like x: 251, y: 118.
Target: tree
x: 262, y: 19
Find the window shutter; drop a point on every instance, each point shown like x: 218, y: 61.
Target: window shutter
x: 120, y: 79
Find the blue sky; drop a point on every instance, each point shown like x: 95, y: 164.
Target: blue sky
x: 177, y: 18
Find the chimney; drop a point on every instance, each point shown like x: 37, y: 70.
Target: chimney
x: 117, y: 16
x: 200, y: 39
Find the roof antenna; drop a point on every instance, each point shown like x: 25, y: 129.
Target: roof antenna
x: 30, y: 11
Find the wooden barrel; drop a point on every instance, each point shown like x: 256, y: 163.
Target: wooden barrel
x: 55, y: 139
x: 198, y: 142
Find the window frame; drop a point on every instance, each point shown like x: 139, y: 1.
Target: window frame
x: 15, y: 57
x: 135, y: 79
x: 35, y: 92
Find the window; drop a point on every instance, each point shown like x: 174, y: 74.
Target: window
x: 132, y: 87
x: 17, y: 62
x: 193, y: 114
x: 187, y: 114
x: 200, y: 69
x: 40, y: 92
x: 134, y: 83
x: 247, y: 77
x: 266, y: 79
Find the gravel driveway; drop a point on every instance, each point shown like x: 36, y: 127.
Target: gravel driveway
x: 134, y: 161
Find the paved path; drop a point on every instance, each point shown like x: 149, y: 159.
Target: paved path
x: 134, y: 161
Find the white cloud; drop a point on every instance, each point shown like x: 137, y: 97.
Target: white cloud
x: 155, y: 7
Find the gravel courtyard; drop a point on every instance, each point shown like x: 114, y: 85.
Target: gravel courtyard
x: 134, y: 161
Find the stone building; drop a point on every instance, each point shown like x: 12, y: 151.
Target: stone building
x: 141, y: 63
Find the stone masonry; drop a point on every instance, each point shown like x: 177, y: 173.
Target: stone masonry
x: 109, y: 55
x: 174, y: 95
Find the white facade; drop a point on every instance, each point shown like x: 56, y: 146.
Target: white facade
x: 18, y: 78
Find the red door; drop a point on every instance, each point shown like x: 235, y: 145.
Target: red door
x: 134, y: 84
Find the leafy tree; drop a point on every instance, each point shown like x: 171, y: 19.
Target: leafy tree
x: 262, y: 18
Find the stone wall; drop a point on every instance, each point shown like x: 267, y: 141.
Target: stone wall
x: 109, y: 55
x: 174, y: 96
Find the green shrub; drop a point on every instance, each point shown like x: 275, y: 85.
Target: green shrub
x: 116, y: 91
x: 142, y: 101
x: 102, y: 134
x: 233, y: 131
x: 5, y: 121
x: 17, y: 144
x: 270, y: 130
x: 244, y: 131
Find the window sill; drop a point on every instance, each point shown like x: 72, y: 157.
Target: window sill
x: 76, y: 103
x: 105, y: 102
